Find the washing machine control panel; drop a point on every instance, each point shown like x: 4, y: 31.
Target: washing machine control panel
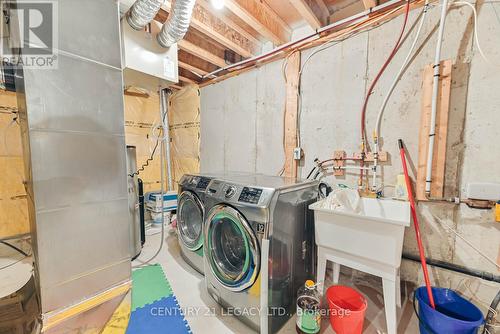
x: 250, y: 195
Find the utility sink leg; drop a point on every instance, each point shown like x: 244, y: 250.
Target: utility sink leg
x: 390, y: 305
x: 321, y: 269
x: 336, y: 273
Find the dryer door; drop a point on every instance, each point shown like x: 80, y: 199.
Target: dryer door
x: 190, y: 215
x: 231, y: 248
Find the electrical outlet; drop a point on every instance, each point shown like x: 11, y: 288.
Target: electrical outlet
x: 297, y: 153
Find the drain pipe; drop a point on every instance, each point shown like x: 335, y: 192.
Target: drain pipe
x: 456, y: 268
x: 142, y: 12
x: 435, y: 92
x: 177, y: 23
x: 164, y: 94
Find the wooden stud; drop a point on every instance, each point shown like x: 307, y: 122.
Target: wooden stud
x: 291, y: 110
x: 260, y: 16
x: 440, y: 140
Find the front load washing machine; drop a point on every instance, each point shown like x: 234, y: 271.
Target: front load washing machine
x: 191, y: 215
x: 259, y: 246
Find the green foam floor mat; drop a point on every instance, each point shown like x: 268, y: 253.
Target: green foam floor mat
x: 149, y: 285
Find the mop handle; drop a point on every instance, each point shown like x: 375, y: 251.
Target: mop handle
x: 415, y: 223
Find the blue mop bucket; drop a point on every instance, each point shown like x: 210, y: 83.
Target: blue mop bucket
x: 453, y: 314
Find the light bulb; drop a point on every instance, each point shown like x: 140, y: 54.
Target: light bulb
x: 218, y: 4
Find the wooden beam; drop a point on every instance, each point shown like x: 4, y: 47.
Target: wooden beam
x: 291, y: 111
x: 323, y: 8
x: 192, y: 69
x: 201, y: 53
x: 215, y: 28
x: 370, y: 3
x: 187, y: 80
x: 229, y: 22
x: 440, y: 140
x: 262, y: 18
x: 307, y: 13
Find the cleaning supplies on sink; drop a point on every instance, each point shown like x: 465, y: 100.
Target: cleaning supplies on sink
x: 344, y: 200
x: 308, y: 309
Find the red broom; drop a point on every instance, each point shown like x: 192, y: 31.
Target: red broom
x: 415, y: 223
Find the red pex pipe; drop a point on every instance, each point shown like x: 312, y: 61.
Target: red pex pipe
x: 415, y: 223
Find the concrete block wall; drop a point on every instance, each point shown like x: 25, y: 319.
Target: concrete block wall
x: 242, y: 126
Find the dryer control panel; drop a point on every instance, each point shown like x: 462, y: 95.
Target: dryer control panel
x: 240, y: 194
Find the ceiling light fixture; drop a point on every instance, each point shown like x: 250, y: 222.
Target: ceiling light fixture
x: 217, y: 4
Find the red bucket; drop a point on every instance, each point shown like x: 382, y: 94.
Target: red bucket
x: 347, y: 309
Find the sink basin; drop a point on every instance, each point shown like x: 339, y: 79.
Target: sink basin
x: 375, y: 235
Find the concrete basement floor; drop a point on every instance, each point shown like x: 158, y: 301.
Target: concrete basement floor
x: 188, y: 287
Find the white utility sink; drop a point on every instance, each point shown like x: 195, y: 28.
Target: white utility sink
x: 371, y: 242
x: 377, y: 235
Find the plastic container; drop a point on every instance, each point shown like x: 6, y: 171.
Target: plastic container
x: 308, y: 309
x: 347, y: 309
x: 453, y: 314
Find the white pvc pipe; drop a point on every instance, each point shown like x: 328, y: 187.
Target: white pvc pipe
x: 435, y: 93
x: 166, y: 137
x: 389, y: 93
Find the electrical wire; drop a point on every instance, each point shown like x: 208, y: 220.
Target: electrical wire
x: 470, y: 244
x: 153, y: 152
x: 163, y: 112
x: 14, y: 263
x: 17, y: 249
x: 476, y: 35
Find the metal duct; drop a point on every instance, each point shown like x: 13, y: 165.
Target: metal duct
x: 177, y: 23
x: 143, y: 12
x: 73, y: 134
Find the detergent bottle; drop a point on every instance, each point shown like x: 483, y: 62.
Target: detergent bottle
x: 308, y: 309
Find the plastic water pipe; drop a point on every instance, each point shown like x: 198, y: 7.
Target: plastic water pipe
x: 376, y: 131
x: 164, y: 93
x: 413, y: 207
x: 435, y: 92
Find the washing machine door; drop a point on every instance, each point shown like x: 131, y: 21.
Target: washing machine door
x: 190, y: 216
x: 231, y: 248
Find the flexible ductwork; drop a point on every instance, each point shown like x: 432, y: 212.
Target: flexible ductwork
x: 143, y: 12
x: 177, y: 23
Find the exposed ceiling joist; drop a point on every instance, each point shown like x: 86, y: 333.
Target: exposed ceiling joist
x: 370, y: 3
x: 229, y: 22
x: 315, y: 20
x: 215, y: 28
x: 187, y: 80
x: 262, y: 18
x: 191, y: 68
x: 323, y: 9
x: 201, y: 53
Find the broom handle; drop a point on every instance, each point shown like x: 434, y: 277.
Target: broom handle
x: 415, y: 223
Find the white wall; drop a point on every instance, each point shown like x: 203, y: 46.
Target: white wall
x: 242, y: 125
